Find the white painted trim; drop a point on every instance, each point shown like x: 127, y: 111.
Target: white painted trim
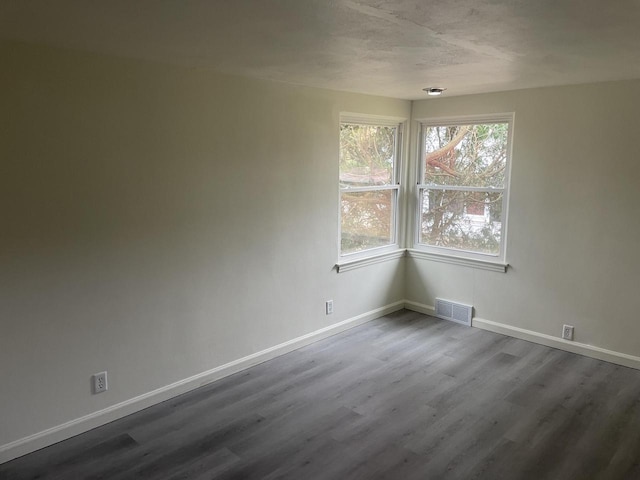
x: 345, y: 266
x: 430, y: 186
x: 371, y: 188
x: 420, y: 307
x: 599, y: 353
x: 400, y: 124
x: 556, y: 342
x: 80, y: 425
x: 506, y: 117
x: 466, y: 119
x: 454, y: 260
x: 370, y: 119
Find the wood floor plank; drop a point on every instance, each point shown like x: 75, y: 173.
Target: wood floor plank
x: 405, y: 396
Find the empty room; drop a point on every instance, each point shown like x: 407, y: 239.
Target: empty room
x: 313, y: 239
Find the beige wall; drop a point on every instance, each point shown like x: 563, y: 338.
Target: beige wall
x: 158, y: 222
x: 574, y: 217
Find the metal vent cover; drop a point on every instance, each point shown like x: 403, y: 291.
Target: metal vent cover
x: 454, y: 311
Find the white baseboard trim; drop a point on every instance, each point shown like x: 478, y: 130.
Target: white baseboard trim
x: 80, y: 425
x: 612, y: 356
x: 420, y: 307
x: 550, y: 341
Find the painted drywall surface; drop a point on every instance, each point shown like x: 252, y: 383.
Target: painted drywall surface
x: 391, y: 48
x: 574, y: 224
x: 159, y: 222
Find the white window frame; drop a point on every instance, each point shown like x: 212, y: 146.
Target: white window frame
x: 451, y: 255
x: 348, y: 261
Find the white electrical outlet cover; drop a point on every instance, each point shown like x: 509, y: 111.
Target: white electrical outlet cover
x: 567, y: 332
x: 329, y: 307
x: 100, y: 382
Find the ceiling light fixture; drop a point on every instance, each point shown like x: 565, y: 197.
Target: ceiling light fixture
x: 434, y: 90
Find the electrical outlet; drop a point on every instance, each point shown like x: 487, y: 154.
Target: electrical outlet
x: 100, y: 382
x: 329, y: 307
x: 567, y: 332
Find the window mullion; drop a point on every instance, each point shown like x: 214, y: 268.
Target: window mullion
x: 460, y: 188
x: 372, y: 188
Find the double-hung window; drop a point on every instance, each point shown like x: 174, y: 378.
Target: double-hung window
x: 463, y: 186
x: 369, y: 185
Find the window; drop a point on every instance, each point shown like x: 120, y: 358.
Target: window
x: 369, y: 184
x: 463, y: 186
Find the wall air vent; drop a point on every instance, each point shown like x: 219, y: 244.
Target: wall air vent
x: 453, y: 311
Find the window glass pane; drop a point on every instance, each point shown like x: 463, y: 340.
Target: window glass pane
x: 466, y: 155
x: 367, y: 219
x: 462, y: 220
x: 367, y: 155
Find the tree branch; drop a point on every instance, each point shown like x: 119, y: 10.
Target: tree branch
x: 434, y: 158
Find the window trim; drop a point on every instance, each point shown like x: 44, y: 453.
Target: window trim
x: 365, y: 257
x: 457, y: 256
x: 482, y: 264
x: 352, y: 264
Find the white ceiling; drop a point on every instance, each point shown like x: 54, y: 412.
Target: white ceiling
x: 393, y: 48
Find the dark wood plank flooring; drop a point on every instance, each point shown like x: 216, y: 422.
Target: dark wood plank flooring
x: 406, y: 396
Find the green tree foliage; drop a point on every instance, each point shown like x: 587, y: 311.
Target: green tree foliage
x: 366, y: 159
x: 366, y: 155
x: 464, y: 156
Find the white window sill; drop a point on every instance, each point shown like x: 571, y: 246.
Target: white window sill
x: 345, y: 266
x: 454, y: 260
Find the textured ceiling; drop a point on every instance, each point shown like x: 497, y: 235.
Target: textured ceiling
x: 393, y: 48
